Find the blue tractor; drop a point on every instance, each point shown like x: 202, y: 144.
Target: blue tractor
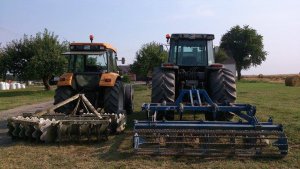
x: 191, y: 84
x: 191, y: 65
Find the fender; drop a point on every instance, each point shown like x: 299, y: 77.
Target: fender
x: 108, y: 79
x: 65, y: 79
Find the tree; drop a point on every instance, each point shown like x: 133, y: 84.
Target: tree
x: 3, y: 68
x: 148, y: 57
x: 17, y: 55
x: 220, y: 55
x: 36, y: 57
x: 47, y: 59
x: 2, y: 65
x: 246, y: 47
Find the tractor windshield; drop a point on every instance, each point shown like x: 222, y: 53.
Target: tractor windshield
x: 189, y: 52
x: 87, y: 63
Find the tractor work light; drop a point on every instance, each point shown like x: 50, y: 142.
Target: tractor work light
x: 91, y: 38
x: 168, y: 37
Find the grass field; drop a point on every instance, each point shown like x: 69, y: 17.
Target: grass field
x: 33, y: 94
x: 276, y: 100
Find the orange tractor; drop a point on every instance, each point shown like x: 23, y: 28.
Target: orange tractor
x: 90, y: 100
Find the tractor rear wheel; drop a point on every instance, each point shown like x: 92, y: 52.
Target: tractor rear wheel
x: 61, y: 94
x: 163, y: 89
x: 128, y: 106
x: 222, y: 89
x: 114, y: 98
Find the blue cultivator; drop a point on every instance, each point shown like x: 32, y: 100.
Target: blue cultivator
x: 245, y: 136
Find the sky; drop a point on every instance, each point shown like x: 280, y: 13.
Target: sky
x: 128, y: 24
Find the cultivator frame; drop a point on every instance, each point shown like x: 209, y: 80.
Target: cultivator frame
x: 244, y: 137
x: 84, y: 123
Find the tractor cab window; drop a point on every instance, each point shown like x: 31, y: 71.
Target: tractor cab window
x: 95, y: 63
x: 189, y: 53
x: 112, y: 61
x: 88, y: 63
x: 79, y: 63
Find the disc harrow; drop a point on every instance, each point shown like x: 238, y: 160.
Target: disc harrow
x: 244, y: 137
x: 85, y: 123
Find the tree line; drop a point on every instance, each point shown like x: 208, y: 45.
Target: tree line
x: 33, y: 57
x: 39, y: 56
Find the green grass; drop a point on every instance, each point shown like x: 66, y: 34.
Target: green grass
x: 276, y: 100
x: 33, y: 94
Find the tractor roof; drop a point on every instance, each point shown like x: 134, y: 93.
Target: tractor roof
x: 192, y: 36
x: 105, y: 45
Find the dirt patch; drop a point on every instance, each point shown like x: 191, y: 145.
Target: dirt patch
x: 4, y: 139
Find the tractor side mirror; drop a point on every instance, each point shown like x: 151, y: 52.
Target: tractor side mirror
x: 123, y: 60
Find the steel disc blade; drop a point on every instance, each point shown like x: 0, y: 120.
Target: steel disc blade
x: 16, y: 129
x: 22, y: 131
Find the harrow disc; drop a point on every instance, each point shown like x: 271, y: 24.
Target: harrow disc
x: 57, y: 128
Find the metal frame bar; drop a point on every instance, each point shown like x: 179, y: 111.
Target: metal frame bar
x: 244, y: 111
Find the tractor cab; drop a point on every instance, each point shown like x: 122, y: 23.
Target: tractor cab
x: 91, y: 58
x: 90, y: 66
x: 190, y: 50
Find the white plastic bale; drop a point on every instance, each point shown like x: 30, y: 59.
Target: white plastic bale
x: 12, y: 86
x: 6, y: 86
x: 18, y: 85
x: 23, y: 86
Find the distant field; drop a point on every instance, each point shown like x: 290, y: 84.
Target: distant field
x: 280, y: 78
x: 33, y: 94
x: 276, y: 100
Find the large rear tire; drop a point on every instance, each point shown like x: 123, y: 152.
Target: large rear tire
x: 163, y: 89
x: 114, y: 98
x: 222, y: 89
x: 128, y: 106
x: 114, y: 102
x: 163, y: 85
x: 61, y: 94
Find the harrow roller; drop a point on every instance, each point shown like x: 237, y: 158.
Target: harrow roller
x: 245, y: 137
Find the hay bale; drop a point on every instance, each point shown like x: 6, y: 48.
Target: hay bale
x: 292, y: 81
x: 260, y: 76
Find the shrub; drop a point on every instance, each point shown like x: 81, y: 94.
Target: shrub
x: 126, y: 79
